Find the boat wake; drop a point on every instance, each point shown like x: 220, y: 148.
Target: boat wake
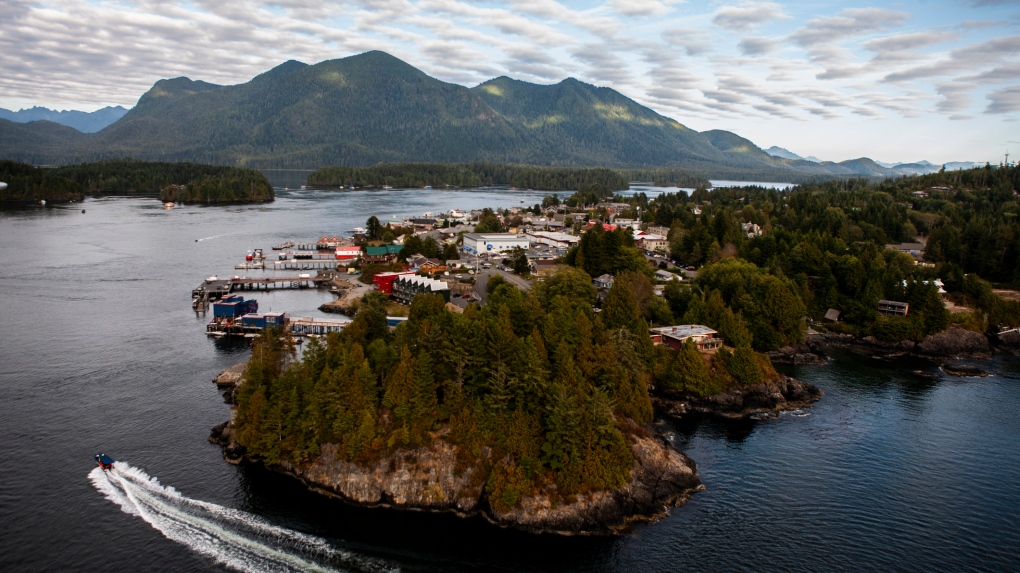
x: 235, y: 538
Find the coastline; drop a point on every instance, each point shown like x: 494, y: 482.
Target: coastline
x: 427, y: 479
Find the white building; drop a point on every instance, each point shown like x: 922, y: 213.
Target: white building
x: 494, y: 242
x: 554, y: 240
x: 651, y: 242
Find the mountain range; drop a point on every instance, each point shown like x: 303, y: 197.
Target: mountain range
x: 918, y: 167
x: 84, y: 121
x: 373, y: 107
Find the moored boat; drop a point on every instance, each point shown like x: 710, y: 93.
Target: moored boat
x: 104, y: 461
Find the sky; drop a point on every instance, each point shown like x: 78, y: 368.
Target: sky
x: 839, y: 79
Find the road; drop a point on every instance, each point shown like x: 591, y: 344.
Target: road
x: 482, y: 281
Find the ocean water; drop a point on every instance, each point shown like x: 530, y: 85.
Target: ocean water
x: 101, y: 352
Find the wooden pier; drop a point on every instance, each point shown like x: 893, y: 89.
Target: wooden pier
x: 208, y: 291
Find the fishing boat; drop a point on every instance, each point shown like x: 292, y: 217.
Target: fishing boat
x: 104, y: 461
x: 286, y: 245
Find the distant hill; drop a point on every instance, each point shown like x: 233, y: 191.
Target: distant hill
x: 867, y: 167
x: 86, y: 122
x: 373, y: 108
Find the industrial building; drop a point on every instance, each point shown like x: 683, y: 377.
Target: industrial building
x: 494, y: 242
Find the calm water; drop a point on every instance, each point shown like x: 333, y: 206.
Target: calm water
x: 101, y: 352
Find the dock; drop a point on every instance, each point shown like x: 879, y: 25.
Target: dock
x: 297, y: 326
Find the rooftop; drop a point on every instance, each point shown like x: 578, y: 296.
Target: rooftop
x: 683, y: 330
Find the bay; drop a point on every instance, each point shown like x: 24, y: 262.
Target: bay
x: 101, y: 352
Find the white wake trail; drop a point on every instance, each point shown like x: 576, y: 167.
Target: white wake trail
x: 235, y: 538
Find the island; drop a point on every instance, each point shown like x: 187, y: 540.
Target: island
x: 172, y: 182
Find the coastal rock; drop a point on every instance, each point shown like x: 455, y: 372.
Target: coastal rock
x: 1010, y: 341
x: 800, y: 354
x: 662, y: 477
x: 741, y: 401
x: 424, y: 478
x: 430, y: 479
x: 955, y: 342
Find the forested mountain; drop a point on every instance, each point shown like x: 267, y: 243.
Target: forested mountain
x: 373, y: 108
x: 84, y: 121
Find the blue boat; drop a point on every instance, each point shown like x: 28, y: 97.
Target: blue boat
x: 104, y: 461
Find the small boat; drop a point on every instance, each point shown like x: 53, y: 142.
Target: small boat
x: 168, y: 205
x: 104, y: 461
x: 248, y: 257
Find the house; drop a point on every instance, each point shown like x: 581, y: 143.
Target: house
x: 416, y: 260
x: 422, y: 224
x: 650, y: 242
x: 603, y: 282
x: 893, y: 308
x: 667, y: 276
x: 751, y: 229
x: 832, y: 315
x: 494, y: 242
x: 432, y: 266
x: 382, y: 253
x: 348, y: 252
x: 915, y: 250
x: 384, y: 281
x: 675, y: 336
x: 937, y: 282
x: 406, y: 287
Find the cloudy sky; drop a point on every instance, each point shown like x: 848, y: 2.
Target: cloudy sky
x: 896, y: 81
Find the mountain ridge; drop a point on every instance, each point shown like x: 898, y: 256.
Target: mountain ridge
x: 373, y: 107
x: 83, y: 121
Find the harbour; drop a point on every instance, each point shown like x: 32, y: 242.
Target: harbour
x: 868, y: 477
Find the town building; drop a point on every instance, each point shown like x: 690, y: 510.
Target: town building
x: 406, y: 287
x: 649, y: 242
x: 893, y: 308
x: 382, y: 253
x: 348, y: 252
x: 494, y: 242
x: 384, y: 281
x: 560, y: 241
x: 666, y: 276
x: 915, y: 250
x: 603, y: 282
x: 675, y: 336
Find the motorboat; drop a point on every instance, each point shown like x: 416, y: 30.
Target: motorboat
x: 104, y: 461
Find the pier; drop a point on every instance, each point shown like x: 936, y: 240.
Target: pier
x: 297, y: 326
x: 210, y: 290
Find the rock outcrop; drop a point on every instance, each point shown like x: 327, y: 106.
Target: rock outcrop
x: 740, y: 401
x: 802, y: 354
x: 430, y: 479
x: 954, y: 342
x: 661, y: 478
x: 1010, y: 341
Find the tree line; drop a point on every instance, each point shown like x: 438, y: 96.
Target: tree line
x: 468, y: 175
x: 185, y: 182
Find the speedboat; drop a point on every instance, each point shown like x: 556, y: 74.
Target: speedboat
x: 104, y: 461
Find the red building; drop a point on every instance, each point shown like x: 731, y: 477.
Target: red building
x: 345, y: 253
x: 384, y: 281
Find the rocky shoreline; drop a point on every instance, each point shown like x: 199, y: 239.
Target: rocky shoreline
x: 740, y: 401
x: 426, y: 479
x: 947, y: 345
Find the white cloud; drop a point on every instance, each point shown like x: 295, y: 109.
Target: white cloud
x: 748, y: 15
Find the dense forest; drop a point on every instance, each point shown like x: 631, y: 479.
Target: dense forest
x: 823, y: 246
x: 28, y: 183
x: 468, y: 175
x: 185, y: 182
x: 536, y: 384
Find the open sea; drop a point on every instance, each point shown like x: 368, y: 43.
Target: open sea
x: 100, y: 351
